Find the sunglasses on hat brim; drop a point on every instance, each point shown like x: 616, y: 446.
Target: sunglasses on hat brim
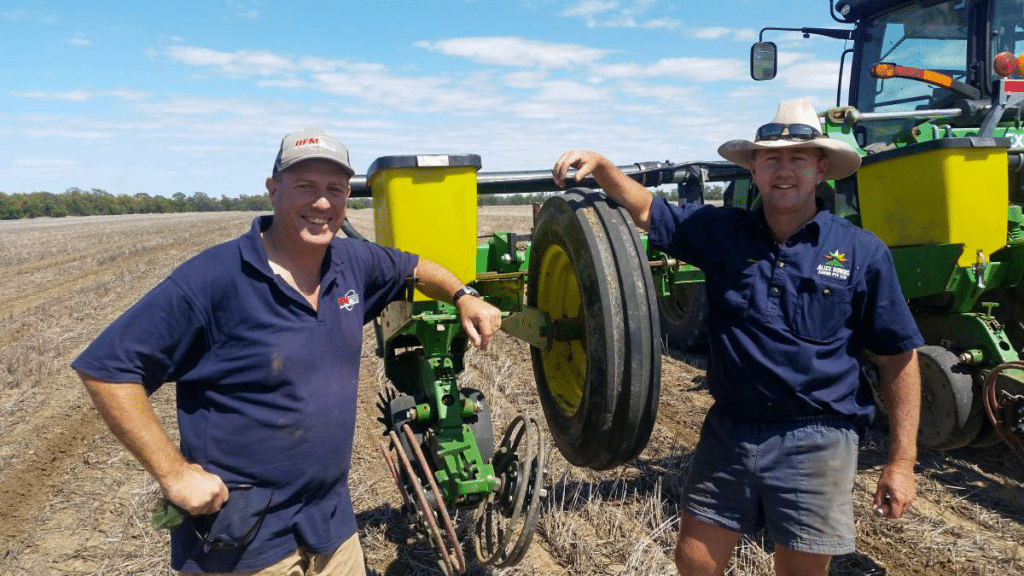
x: 776, y: 131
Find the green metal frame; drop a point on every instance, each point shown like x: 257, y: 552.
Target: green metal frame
x: 430, y: 374
x: 462, y: 473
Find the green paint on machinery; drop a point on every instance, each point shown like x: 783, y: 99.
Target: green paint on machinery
x: 589, y: 313
x: 941, y: 184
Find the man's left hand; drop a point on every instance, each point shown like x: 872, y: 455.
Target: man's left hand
x: 896, y: 490
x: 479, y: 320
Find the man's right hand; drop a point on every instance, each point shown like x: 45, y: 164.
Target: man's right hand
x: 584, y: 161
x: 195, y: 490
x: 627, y: 192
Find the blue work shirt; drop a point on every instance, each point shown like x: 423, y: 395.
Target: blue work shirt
x: 787, y: 322
x: 266, y: 386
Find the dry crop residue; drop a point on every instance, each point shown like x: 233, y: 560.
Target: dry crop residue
x: 72, y: 501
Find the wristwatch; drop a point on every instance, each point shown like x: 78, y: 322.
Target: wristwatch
x: 462, y: 292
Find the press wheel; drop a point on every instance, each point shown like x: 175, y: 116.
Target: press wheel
x: 507, y: 519
x: 1003, y: 393
x: 598, y: 380
x: 951, y: 416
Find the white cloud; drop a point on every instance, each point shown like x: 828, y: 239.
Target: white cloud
x: 745, y: 35
x: 46, y: 162
x: 130, y: 94
x: 414, y: 94
x: 245, y: 9
x: 570, y: 91
x: 663, y: 23
x: 238, y: 63
x: 79, y: 41
x: 788, y: 58
x: 318, y: 64
x: 697, y: 69
x: 610, y: 14
x: 718, y: 32
x: 40, y: 95
x: 196, y: 106
x: 287, y: 82
x: 525, y: 78
x: 589, y: 8
x: 514, y: 51
x: 23, y: 16
x: 713, y: 33
x: 681, y: 95
x: 802, y: 71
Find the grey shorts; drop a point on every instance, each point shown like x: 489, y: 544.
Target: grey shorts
x: 795, y: 478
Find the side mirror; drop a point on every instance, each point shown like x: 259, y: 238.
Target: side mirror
x: 763, y: 60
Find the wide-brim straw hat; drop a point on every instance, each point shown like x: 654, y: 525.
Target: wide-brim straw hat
x: 843, y: 160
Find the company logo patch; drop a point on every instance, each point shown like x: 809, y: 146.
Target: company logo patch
x: 306, y: 142
x: 349, y: 300
x: 833, y: 267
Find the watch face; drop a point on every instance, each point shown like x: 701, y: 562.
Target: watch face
x: 466, y: 290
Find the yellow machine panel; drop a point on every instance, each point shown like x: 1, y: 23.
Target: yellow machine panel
x: 426, y: 204
x: 948, y: 191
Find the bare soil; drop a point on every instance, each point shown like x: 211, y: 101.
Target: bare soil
x: 72, y: 501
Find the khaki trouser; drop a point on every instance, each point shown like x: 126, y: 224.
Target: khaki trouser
x: 347, y: 560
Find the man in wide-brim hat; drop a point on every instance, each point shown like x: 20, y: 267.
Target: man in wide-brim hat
x: 794, y: 294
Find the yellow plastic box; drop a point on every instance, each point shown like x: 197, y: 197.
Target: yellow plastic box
x: 946, y: 191
x: 426, y: 204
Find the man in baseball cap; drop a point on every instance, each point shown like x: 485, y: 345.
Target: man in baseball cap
x: 794, y: 293
x: 263, y: 336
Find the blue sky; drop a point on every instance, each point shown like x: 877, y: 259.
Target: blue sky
x: 185, y: 96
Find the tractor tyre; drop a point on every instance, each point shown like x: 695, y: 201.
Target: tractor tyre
x: 684, y: 317
x: 950, y: 411
x: 599, y: 378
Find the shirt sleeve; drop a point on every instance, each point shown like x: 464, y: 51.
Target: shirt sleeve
x: 888, y: 327
x: 686, y: 232
x: 387, y: 271
x: 157, y: 340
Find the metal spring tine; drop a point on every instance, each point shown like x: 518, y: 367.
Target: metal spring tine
x: 424, y: 505
x: 442, y: 508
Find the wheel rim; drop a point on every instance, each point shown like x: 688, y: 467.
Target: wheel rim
x: 565, y: 361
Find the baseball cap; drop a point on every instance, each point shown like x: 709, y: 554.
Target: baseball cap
x: 311, y: 143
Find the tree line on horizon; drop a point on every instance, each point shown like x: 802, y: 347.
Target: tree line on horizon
x: 95, y: 202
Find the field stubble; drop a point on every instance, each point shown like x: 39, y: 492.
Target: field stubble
x: 72, y: 501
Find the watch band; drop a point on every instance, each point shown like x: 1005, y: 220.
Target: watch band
x: 462, y: 292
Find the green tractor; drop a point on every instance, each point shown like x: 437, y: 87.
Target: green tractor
x: 935, y: 106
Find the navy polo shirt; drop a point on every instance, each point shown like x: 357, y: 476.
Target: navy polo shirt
x: 266, y: 386
x: 787, y: 321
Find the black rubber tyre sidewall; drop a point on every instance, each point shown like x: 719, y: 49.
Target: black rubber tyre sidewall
x: 615, y: 416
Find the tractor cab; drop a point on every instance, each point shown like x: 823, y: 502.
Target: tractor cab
x: 937, y: 38
x: 919, y: 62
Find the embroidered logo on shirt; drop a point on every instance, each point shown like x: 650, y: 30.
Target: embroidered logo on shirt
x: 834, y: 268
x: 349, y: 300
